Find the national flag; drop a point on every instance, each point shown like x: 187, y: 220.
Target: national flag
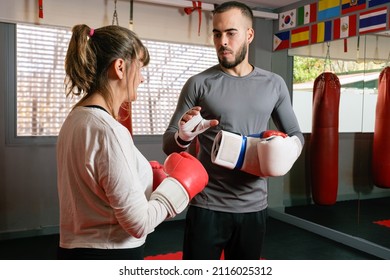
x: 328, y: 9
x: 300, y: 37
x: 345, y: 27
x: 281, y: 40
x: 321, y: 32
x: 307, y: 14
x: 373, y: 20
x: 287, y: 19
x: 373, y: 3
x: 349, y: 6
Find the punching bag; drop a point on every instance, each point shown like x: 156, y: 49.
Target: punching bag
x: 125, y: 116
x: 324, y: 141
x: 381, y: 141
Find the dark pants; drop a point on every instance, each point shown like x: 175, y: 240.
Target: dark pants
x: 101, y: 254
x: 239, y: 235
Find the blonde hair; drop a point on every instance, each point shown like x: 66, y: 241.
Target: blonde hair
x: 90, y: 54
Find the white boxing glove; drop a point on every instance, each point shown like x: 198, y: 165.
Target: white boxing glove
x: 235, y: 151
x: 277, y: 155
x: 189, y: 130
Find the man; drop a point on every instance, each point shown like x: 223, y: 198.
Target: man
x: 229, y: 216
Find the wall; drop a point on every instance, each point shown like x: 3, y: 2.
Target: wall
x: 150, y: 21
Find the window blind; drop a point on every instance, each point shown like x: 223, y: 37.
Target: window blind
x: 41, y: 102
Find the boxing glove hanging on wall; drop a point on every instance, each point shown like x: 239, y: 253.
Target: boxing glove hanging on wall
x: 125, y: 116
x: 324, y: 142
x: 381, y: 141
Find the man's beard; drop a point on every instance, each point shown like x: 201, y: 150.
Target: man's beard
x: 238, y: 58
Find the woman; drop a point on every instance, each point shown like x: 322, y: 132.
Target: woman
x: 107, y: 205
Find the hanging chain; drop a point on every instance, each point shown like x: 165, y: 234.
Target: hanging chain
x: 388, y: 60
x: 115, y: 16
x: 131, y: 22
x: 376, y: 59
x: 327, y: 58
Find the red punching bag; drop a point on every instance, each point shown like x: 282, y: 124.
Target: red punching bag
x: 125, y: 116
x: 324, y: 141
x: 381, y: 141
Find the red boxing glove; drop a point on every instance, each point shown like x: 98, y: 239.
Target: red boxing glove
x: 158, y: 173
x: 188, y: 171
x: 186, y: 178
x: 272, y: 133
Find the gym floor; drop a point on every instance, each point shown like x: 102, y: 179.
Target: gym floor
x: 283, y: 242
x: 366, y: 218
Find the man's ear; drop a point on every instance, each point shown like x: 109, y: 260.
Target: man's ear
x: 250, y: 35
x: 119, y: 68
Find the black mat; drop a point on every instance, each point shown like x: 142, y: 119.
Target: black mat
x: 353, y: 217
x: 283, y: 242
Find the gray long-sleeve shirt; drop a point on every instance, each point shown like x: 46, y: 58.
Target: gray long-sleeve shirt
x: 243, y: 105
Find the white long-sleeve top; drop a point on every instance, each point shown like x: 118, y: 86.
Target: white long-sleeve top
x: 104, y: 183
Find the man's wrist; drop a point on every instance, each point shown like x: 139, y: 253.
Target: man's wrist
x: 182, y: 142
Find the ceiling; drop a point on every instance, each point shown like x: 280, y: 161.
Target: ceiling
x: 259, y: 4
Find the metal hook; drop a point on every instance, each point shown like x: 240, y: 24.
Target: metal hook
x: 388, y: 60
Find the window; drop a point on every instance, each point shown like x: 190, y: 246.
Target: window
x: 170, y: 67
x: 41, y: 105
x: 359, y: 83
x: 358, y: 74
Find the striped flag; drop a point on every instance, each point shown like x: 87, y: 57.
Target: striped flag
x: 281, y: 40
x: 321, y: 32
x: 328, y: 9
x: 373, y: 20
x: 349, y: 6
x: 345, y: 27
x: 373, y: 3
x: 307, y: 14
x: 300, y: 37
x: 287, y: 19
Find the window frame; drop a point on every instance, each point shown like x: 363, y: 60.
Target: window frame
x: 10, y: 88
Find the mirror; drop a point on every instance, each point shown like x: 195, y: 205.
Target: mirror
x: 360, y: 217
x: 357, y: 62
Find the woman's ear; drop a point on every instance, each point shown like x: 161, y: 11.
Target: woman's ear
x: 119, y: 68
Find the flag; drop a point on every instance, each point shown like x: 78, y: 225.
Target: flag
x: 373, y: 20
x: 328, y: 9
x: 281, y: 40
x: 287, y: 19
x: 345, y: 27
x: 349, y: 6
x: 307, y: 14
x: 300, y: 37
x: 373, y: 3
x: 321, y: 32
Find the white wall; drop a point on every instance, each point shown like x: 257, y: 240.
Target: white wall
x: 158, y: 22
